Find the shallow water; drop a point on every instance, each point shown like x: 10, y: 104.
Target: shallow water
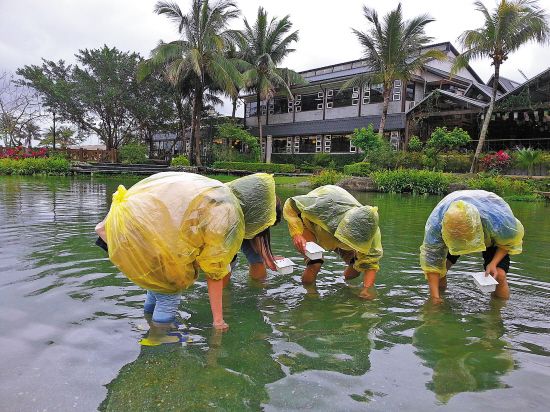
x: 70, y: 322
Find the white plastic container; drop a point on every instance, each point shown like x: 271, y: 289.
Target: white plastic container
x: 285, y: 266
x: 314, y: 251
x: 484, y: 283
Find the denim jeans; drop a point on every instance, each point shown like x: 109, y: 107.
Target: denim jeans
x: 163, y: 306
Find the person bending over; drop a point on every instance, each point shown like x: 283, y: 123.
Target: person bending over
x: 335, y: 220
x: 469, y: 221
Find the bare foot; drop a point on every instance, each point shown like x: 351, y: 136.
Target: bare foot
x: 366, y: 294
x: 221, y: 326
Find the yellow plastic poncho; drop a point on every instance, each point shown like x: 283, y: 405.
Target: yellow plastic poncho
x: 337, y: 220
x: 167, y: 226
x: 468, y: 221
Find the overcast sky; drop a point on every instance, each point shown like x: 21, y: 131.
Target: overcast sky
x: 56, y: 29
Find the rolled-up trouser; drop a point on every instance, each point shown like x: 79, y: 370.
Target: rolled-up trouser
x: 488, y: 256
x: 163, y: 306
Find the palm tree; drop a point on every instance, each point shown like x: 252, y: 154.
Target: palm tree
x: 197, y: 59
x: 393, y: 50
x: 263, y: 47
x: 505, y: 29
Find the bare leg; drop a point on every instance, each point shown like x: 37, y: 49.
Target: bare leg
x: 443, y: 283
x: 433, y: 283
x: 227, y: 280
x: 502, y: 290
x: 310, y: 273
x: 257, y: 271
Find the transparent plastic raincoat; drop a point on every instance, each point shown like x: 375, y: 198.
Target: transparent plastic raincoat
x: 337, y: 220
x: 468, y: 221
x: 167, y: 226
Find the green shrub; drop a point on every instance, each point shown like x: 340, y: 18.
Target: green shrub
x: 415, y: 144
x: 409, y: 160
x: 133, y: 153
x: 366, y: 139
x: 415, y: 181
x: 306, y: 168
x: 301, y: 159
x: 324, y: 160
x: 32, y: 166
x: 358, y: 169
x: 502, y: 186
x: 235, y: 132
x: 326, y: 177
x: 256, y: 167
x: 528, y: 158
x: 382, y: 157
x: 180, y: 160
x: 456, y: 162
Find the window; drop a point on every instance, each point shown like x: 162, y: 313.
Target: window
x: 318, y: 144
x: 279, y: 145
x: 328, y: 142
x: 342, y: 98
x: 410, y: 91
x: 340, y: 144
x: 250, y: 109
x: 376, y: 93
x: 280, y: 105
x: 366, y: 95
x: 396, y: 92
x: 309, y: 102
x: 307, y: 144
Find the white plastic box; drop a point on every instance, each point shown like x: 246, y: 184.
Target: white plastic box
x: 314, y: 251
x: 484, y: 283
x: 285, y: 266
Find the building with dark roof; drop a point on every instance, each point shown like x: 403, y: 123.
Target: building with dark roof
x: 322, y: 116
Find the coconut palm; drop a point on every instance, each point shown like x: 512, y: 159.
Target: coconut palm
x: 197, y: 59
x: 263, y: 47
x: 505, y: 29
x: 528, y: 158
x: 393, y: 50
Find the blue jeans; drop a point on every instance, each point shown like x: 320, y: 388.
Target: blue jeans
x: 163, y: 306
x: 250, y: 253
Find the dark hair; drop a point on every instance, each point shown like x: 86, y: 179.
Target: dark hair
x: 278, y: 211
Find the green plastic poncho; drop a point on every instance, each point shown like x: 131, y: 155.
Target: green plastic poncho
x: 167, y: 226
x: 337, y: 220
x: 256, y: 195
x: 468, y: 221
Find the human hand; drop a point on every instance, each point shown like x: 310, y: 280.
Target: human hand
x: 437, y: 300
x: 491, y: 269
x: 299, y: 243
x: 220, y: 325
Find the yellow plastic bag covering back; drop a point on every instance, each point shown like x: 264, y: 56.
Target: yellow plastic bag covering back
x: 462, y: 230
x: 256, y: 195
x: 164, y: 228
x: 467, y: 221
x: 326, y: 206
x: 357, y: 228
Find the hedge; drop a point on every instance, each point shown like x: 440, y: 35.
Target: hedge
x: 34, y: 166
x: 179, y: 161
x: 359, y: 169
x: 256, y: 167
x: 300, y: 159
x: 415, y: 181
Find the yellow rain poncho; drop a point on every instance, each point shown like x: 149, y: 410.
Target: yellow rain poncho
x: 167, y: 226
x: 338, y: 221
x: 468, y: 221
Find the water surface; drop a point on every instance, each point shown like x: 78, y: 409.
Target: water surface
x: 71, y: 322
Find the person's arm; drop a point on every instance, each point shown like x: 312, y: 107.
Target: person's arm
x: 295, y: 225
x: 100, y: 230
x: 491, y: 268
x: 368, y: 263
x: 215, y: 292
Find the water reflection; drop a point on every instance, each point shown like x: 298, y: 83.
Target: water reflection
x: 467, y: 353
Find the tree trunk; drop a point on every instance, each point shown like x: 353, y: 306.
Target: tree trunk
x: 179, y: 107
x: 234, y: 108
x: 384, y: 110
x: 197, y: 108
x: 53, y: 138
x: 486, y: 120
x: 259, y: 116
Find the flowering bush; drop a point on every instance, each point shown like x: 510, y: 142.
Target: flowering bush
x: 496, y: 162
x: 21, y: 152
